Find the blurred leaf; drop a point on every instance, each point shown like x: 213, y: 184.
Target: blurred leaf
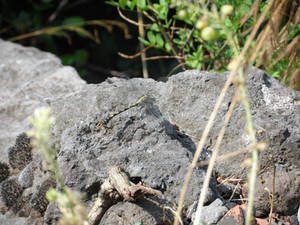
x: 154, y: 27
x: 159, y: 40
x: 145, y: 42
x: 46, y: 1
x: 141, y: 4
x: 122, y: 3
x: 132, y: 4
x: 80, y: 31
x: 228, y: 24
x: 199, y: 52
x: 168, y: 47
x: 73, y: 20
x: 67, y: 59
x: 151, y: 37
x: 112, y: 3
x: 81, y: 56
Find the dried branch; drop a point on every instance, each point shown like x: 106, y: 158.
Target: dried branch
x: 134, y: 56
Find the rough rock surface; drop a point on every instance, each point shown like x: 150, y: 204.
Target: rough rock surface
x: 29, y: 78
x: 154, y: 141
x: 144, y: 211
x: 140, y: 140
x: 286, y: 196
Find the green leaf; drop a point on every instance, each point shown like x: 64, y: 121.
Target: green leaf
x: 199, y: 52
x: 112, y: 3
x: 122, y: 3
x: 177, y: 41
x: 167, y: 47
x: 132, y: 4
x: 67, y: 59
x: 154, y: 27
x: 159, y: 40
x: 151, y: 37
x: 141, y: 4
x: 145, y: 42
x: 73, y: 20
x: 81, y: 56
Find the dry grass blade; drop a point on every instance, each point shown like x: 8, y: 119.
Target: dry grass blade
x: 213, y: 158
x: 229, y: 155
x: 135, y: 55
x: 202, y: 141
x: 76, y: 27
x: 253, y: 11
x: 293, y: 47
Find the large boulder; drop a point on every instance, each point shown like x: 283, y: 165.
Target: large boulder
x: 153, y: 138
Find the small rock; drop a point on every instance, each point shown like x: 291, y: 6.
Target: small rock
x: 234, y: 216
x: 39, y: 201
x: 4, y: 171
x: 10, y: 191
x: 52, y: 214
x: 144, y: 211
x: 26, y: 176
x: 19, y: 155
x: 286, y: 196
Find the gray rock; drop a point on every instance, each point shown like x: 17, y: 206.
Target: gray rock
x: 188, y: 99
x: 10, y: 192
x: 144, y: 211
x: 4, y: 171
x: 154, y: 141
x: 30, y: 78
x: 140, y: 140
x: 19, y: 155
x: 212, y: 213
x: 13, y: 220
x: 286, y: 196
x: 52, y: 214
x: 26, y: 177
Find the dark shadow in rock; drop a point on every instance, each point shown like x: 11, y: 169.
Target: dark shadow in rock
x: 266, y: 80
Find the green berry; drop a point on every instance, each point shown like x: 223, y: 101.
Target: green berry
x: 201, y: 23
x: 227, y: 10
x: 209, y: 34
x: 181, y: 14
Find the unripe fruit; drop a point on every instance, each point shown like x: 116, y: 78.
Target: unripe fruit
x: 201, y: 23
x: 181, y: 14
x: 209, y: 34
x: 227, y: 10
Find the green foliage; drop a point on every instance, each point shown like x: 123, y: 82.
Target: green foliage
x: 198, y: 32
x: 193, y: 38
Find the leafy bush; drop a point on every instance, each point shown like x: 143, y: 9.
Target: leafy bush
x: 196, y: 33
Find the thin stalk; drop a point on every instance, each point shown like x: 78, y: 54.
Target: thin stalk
x: 142, y: 34
x: 255, y: 152
x: 202, y: 141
